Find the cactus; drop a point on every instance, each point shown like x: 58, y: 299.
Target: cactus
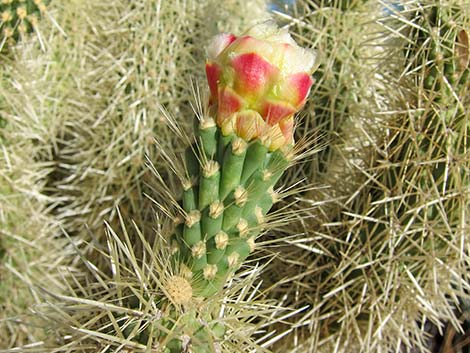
x: 438, y: 47
x: 19, y: 17
x: 394, y: 260
x: 257, y: 82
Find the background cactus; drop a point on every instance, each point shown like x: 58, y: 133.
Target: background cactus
x: 19, y: 17
x: 394, y: 257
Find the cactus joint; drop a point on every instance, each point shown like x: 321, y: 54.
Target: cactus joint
x: 241, y: 196
x: 242, y: 227
x: 239, y: 146
x: 198, y: 250
x: 232, y: 259
x: 267, y: 175
x: 207, y: 123
x: 210, y: 271
x: 251, y: 243
x: 259, y: 215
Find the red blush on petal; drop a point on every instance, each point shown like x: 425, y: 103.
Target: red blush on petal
x: 229, y: 103
x: 253, y: 73
x: 213, y: 74
x: 301, y: 83
x: 273, y: 112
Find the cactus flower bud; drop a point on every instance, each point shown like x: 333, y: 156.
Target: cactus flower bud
x: 257, y: 82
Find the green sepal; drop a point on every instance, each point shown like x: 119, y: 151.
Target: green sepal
x: 232, y: 168
x: 254, y: 160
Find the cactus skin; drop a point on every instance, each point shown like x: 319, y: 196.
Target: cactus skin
x: 438, y: 50
x: 228, y: 210
x: 257, y: 82
x: 18, y: 17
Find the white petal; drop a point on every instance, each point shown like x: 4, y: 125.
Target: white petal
x: 218, y: 44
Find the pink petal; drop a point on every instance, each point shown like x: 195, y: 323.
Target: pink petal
x: 253, y: 74
x: 229, y: 103
x: 213, y: 74
x: 300, y: 84
x: 274, y: 111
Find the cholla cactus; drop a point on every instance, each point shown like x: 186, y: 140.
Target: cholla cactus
x: 257, y: 82
x: 18, y: 17
x: 394, y: 259
x: 438, y: 50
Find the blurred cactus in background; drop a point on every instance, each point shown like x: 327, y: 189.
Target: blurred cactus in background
x: 19, y: 17
x: 394, y: 261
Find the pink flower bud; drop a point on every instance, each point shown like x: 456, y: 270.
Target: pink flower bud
x: 258, y: 82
